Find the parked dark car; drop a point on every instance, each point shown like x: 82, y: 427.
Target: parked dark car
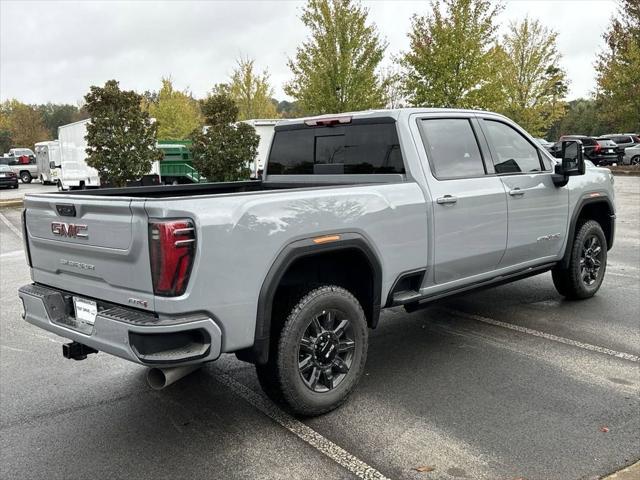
x: 623, y: 141
x: 593, y: 150
x: 609, y: 147
x: 8, y: 178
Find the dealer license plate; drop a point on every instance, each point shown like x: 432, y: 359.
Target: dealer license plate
x: 86, y: 310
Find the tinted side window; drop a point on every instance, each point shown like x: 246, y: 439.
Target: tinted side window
x: 452, y: 148
x: 514, y: 153
x: 622, y: 139
x: 349, y: 149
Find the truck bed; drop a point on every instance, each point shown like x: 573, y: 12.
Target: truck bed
x: 166, y: 191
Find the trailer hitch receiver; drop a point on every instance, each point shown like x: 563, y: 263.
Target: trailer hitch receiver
x: 77, y: 351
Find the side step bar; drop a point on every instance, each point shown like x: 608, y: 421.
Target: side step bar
x: 420, y: 302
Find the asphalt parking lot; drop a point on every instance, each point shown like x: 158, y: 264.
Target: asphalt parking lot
x: 512, y: 382
x: 24, y: 188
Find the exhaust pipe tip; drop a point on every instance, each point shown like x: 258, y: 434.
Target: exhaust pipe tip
x: 156, y: 378
x: 159, y: 378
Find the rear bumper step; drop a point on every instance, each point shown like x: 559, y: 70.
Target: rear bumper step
x: 124, y: 332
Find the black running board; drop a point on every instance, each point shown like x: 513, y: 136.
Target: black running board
x: 421, y: 302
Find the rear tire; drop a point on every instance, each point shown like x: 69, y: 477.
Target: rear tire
x: 320, y: 354
x: 26, y: 177
x: 587, y: 264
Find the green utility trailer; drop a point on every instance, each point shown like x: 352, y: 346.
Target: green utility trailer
x: 176, y: 166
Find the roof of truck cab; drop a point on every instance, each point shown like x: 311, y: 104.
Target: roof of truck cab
x: 393, y: 113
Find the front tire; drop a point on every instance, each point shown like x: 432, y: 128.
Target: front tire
x: 587, y: 264
x: 320, y: 353
x: 635, y: 160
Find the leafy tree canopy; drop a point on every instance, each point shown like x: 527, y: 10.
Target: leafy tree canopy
x: 121, y: 136
x: 618, y: 70
x: 219, y: 108
x: 177, y: 113
x: 251, y: 91
x: 452, y: 60
x: 224, y: 151
x: 581, y: 118
x: 55, y: 115
x: 21, y: 125
x: 335, y: 69
x: 533, y: 84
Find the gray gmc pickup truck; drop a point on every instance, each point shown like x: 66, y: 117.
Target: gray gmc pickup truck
x: 355, y: 213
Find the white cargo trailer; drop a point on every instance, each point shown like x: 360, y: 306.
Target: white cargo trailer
x: 264, y: 129
x: 74, y: 171
x: 48, y: 161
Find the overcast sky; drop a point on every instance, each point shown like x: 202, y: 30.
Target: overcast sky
x: 53, y: 50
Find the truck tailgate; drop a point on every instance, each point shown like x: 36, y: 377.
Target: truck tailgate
x: 92, y: 246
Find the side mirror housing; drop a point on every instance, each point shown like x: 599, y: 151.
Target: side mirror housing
x: 572, y: 162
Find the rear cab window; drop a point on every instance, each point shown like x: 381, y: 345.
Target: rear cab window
x: 369, y: 147
x: 452, y: 148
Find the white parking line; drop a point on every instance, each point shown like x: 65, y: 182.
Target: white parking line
x: 548, y: 336
x: 302, y: 431
x: 6, y: 221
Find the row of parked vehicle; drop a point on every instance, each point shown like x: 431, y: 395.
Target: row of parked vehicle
x: 62, y: 162
x: 621, y: 149
x: 18, y: 162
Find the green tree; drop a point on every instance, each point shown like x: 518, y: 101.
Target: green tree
x: 335, y: 69
x: 22, y: 124
x: 5, y: 128
x: 251, y: 91
x: 286, y: 109
x: 581, y: 118
x: 54, y: 115
x: 452, y: 58
x: 618, y: 70
x: 223, y: 152
x: 121, y: 136
x: 219, y: 108
x: 177, y: 113
x: 533, y: 84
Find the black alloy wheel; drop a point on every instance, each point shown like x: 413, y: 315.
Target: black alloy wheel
x: 591, y: 260
x: 325, y: 353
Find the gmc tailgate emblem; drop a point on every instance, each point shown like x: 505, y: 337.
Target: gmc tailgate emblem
x: 70, y: 230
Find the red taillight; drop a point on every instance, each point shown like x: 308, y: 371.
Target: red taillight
x: 597, y: 148
x: 172, y: 246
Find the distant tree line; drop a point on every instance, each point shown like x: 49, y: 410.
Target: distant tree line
x: 454, y: 59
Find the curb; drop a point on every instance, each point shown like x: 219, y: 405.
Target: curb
x: 12, y: 202
x: 632, y: 472
x: 626, y: 173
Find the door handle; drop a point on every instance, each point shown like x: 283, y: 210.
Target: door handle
x: 516, y: 192
x: 447, y: 199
